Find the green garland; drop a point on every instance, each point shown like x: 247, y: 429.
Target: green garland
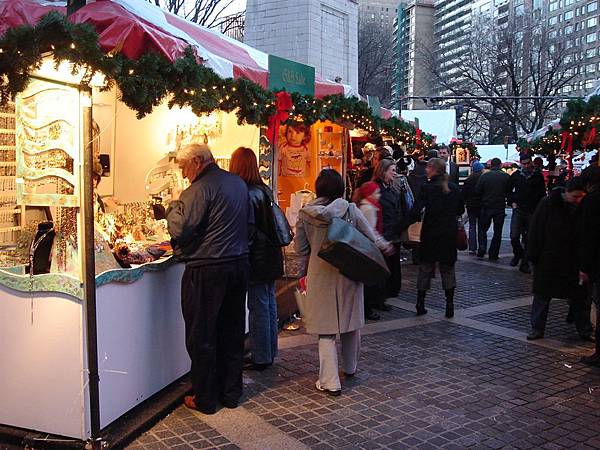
x: 148, y: 81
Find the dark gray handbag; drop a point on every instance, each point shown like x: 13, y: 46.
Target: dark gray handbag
x: 354, y: 254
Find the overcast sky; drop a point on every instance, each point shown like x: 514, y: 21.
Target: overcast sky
x: 236, y: 6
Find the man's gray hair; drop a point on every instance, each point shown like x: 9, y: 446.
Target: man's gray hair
x: 200, y: 151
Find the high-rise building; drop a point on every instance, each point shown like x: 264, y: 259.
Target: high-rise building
x: 320, y: 33
x: 381, y: 13
x: 413, y: 41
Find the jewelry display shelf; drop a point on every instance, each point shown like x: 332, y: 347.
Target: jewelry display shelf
x: 15, y: 278
x: 12, y: 216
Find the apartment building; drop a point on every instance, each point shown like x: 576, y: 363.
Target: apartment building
x: 413, y: 44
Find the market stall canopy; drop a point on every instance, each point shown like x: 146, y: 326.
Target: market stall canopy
x: 488, y: 152
x: 438, y: 122
x: 135, y: 27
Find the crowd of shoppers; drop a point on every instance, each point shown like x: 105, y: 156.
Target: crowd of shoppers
x: 222, y: 227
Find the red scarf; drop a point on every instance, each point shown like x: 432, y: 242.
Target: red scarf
x: 366, y: 190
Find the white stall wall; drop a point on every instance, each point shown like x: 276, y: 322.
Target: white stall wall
x: 41, y: 371
x: 140, y: 144
x: 141, y: 340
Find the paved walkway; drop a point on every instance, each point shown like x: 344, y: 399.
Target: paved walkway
x: 423, y: 382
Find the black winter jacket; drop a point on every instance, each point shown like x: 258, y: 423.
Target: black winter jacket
x: 493, y: 187
x: 527, y: 190
x: 440, y: 226
x: 471, y: 197
x: 590, y: 234
x: 552, y: 247
x: 391, y: 212
x: 266, y: 259
x: 211, y: 221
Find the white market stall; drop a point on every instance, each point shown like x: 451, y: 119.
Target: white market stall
x: 90, y: 340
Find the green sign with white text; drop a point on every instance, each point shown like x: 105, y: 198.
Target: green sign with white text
x: 291, y: 76
x: 375, y: 105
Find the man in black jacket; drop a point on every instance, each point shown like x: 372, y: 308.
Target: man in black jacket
x: 473, y: 204
x: 209, y: 226
x: 492, y: 188
x: 553, y: 249
x: 527, y: 189
x: 589, y: 261
x: 451, y: 167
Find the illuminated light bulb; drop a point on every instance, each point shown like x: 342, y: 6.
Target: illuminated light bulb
x: 130, y: 71
x: 51, y: 46
x: 72, y: 45
x: 193, y: 92
x: 234, y: 89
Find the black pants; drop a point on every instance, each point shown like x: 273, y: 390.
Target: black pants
x: 519, y: 228
x: 374, y: 296
x: 595, y: 296
x: 581, y: 313
x: 485, y: 220
x: 394, y: 282
x: 213, y: 304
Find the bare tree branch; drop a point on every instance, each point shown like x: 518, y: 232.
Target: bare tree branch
x: 209, y: 13
x: 517, y: 58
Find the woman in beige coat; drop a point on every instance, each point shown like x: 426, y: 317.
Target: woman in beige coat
x: 334, y: 303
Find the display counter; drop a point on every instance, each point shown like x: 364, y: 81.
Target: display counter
x: 140, y: 335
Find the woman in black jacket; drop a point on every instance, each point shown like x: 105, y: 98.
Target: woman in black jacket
x: 391, y: 206
x: 442, y: 203
x: 266, y: 263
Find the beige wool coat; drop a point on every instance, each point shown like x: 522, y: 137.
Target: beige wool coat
x: 334, y: 303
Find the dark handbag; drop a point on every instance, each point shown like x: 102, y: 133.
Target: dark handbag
x: 461, y: 239
x: 355, y: 255
x: 282, y: 234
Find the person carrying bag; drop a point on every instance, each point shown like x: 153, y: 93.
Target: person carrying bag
x: 334, y: 303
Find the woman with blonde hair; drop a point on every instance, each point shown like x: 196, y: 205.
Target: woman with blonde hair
x: 441, y: 204
x: 266, y: 263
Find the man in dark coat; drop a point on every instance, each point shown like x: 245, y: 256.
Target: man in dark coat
x: 589, y: 261
x: 210, y: 224
x: 492, y: 187
x: 451, y: 167
x: 473, y: 204
x: 553, y: 249
x: 527, y: 189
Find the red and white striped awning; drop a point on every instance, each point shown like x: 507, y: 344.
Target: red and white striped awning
x: 135, y: 27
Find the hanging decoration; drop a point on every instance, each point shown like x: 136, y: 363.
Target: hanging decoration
x: 151, y: 79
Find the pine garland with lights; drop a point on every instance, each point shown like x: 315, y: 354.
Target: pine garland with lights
x: 151, y: 79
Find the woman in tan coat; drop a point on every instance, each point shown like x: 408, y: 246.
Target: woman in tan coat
x: 334, y: 303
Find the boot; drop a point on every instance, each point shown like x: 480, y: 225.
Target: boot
x: 449, y: 303
x: 421, y: 303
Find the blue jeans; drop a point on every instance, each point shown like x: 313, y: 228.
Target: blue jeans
x: 262, y: 322
x: 473, y: 218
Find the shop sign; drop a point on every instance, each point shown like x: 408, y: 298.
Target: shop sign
x: 291, y: 76
x: 374, y: 104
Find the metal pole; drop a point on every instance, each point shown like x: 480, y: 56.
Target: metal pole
x: 89, y: 274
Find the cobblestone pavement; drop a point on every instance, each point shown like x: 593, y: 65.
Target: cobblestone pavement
x: 427, y: 382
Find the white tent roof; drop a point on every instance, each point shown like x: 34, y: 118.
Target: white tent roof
x: 488, y: 152
x: 439, y: 122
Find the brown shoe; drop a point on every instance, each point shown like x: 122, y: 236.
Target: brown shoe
x: 190, y: 402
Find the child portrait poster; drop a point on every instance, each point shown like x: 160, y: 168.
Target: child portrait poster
x: 295, y: 153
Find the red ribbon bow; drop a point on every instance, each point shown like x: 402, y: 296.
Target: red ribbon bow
x: 418, y: 137
x: 283, y: 105
x: 567, y: 144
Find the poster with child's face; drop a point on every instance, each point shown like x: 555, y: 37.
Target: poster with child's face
x: 293, y: 152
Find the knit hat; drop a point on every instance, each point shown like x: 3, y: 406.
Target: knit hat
x: 367, y: 189
x: 477, y: 167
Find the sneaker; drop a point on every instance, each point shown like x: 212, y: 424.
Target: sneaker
x: 534, y: 335
x: 515, y: 261
x: 335, y: 393
x: 592, y: 360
